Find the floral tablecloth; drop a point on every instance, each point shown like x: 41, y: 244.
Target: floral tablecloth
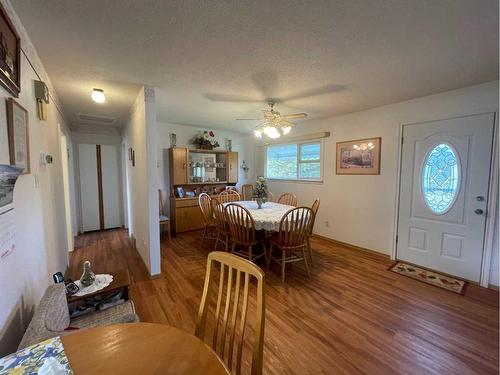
x: 268, y: 217
x: 101, y: 282
x: 28, y: 361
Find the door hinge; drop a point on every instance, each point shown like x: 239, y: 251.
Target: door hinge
x: 402, y: 140
x: 397, y: 238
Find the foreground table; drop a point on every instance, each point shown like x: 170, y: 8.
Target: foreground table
x: 140, y: 348
x: 268, y: 217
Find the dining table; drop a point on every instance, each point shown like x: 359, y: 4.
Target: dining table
x: 268, y: 217
x: 131, y: 348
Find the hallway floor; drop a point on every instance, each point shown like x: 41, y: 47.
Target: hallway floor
x: 351, y: 316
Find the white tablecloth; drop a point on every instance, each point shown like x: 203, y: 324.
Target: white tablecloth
x: 101, y: 282
x: 268, y: 217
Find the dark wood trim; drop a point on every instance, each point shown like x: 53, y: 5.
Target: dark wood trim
x: 14, y: 87
x: 99, y: 186
x: 353, y: 247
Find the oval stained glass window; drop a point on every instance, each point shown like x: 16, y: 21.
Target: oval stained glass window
x: 440, y: 178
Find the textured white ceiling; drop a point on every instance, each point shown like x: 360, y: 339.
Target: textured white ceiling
x: 215, y: 61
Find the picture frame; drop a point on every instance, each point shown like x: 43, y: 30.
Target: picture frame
x: 179, y: 191
x: 10, y: 55
x: 18, y: 134
x: 359, y: 157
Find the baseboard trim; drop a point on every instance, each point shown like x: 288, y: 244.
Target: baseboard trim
x: 353, y: 247
x: 494, y: 287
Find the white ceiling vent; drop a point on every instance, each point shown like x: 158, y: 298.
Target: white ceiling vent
x: 91, y: 119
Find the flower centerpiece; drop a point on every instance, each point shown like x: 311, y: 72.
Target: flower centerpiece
x: 260, y: 191
x: 205, y: 140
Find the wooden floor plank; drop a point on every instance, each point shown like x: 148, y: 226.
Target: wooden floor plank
x: 352, y: 316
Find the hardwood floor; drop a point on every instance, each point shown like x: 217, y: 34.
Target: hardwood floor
x: 351, y: 317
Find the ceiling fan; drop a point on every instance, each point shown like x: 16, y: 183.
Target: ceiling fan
x: 274, y: 124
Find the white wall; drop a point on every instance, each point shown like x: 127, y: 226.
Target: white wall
x: 241, y: 143
x: 141, y: 180
x: 360, y: 209
x: 39, y: 210
x: 95, y: 135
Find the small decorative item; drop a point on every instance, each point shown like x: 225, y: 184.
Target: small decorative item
x: 361, y: 156
x: 229, y: 145
x: 10, y: 55
x: 173, y: 140
x: 244, y: 167
x: 88, y: 277
x: 180, y: 192
x: 205, y: 140
x: 42, y: 99
x: 17, y: 126
x: 260, y: 191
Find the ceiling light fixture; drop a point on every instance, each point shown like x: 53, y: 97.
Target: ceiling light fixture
x: 274, y: 124
x: 98, y: 96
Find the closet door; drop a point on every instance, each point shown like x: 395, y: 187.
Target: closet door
x: 110, y: 186
x: 89, y: 187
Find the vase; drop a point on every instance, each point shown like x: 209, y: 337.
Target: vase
x: 88, y: 277
x: 259, y: 201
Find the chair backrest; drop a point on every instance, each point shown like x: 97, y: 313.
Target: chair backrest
x: 247, y: 192
x: 288, y: 198
x: 240, y: 223
x: 314, y: 208
x: 270, y: 196
x: 229, y: 196
x: 206, y: 207
x: 218, y: 212
x: 295, y: 226
x: 160, y: 199
x: 224, y: 337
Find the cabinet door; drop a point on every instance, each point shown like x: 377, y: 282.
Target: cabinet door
x: 232, y: 167
x: 188, y: 218
x: 178, y: 166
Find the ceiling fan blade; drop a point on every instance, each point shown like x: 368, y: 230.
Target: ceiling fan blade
x: 294, y: 115
x: 248, y: 119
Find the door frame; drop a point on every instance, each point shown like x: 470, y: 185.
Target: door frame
x: 492, y: 197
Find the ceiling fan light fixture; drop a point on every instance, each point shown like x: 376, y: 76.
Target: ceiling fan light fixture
x: 257, y: 133
x: 286, y: 129
x: 271, y: 132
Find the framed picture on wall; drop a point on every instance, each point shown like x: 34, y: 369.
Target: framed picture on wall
x: 361, y: 156
x: 10, y: 55
x: 17, y: 127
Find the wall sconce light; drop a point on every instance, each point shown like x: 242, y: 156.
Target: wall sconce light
x: 245, y: 167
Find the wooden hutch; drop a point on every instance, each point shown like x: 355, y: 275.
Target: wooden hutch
x: 194, y: 172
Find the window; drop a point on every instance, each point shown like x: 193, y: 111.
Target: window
x: 440, y: 178
x: 300, y: 161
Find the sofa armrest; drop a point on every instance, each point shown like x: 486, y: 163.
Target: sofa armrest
x: 122, y: 313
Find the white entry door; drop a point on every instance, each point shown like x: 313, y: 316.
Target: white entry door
x: 443, y: 194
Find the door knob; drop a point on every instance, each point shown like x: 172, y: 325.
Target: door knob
x: 479, y: 211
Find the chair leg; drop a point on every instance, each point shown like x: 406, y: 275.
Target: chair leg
x: 305, y: 261
x: 203, y: 237
x: 217, y: 240
x: 169, y: 234
x: 233, y: 247
x: 250, y: 253
x: 283, y: 257
x: 227, y: 242
x: 310, y: 251
x: 268, y: 259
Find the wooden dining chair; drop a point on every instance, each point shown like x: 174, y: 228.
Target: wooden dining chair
x: 291, y: 239
x: 288, y: 199
x: 229, y: 337
x: 229, y: 196
x: 314, y: 208
x: 222, y: 230
x: 247, y: 192
x: 164, y: 219
x: 242, y: 231
x: 204, y: 201
x: 270, y: 197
